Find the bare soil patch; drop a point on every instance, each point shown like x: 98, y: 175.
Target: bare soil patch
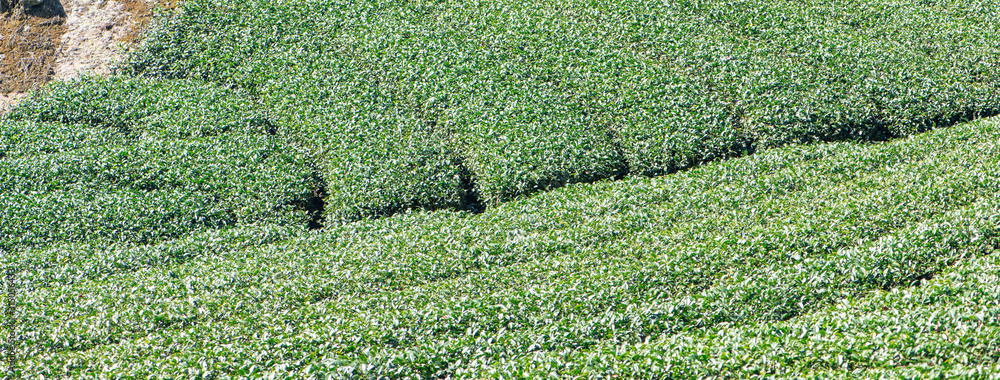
x: 141, y: 13
x: 63, y: 39
x: 29, y: 43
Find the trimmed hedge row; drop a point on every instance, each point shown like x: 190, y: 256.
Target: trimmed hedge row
x: 82, y: 214
x: 448, y: 104
x: 19, y: 140
x: 140, y: 107
x: 438, y: 294
x: 227, y: 167
x: 136, y: 161
x: 945, y: 325
x: 67, y: 263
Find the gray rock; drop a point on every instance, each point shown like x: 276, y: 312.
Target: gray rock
x: 31, y: 3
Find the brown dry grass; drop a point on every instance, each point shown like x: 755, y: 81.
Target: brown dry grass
x: 142, y: 12
x: 29, y: 41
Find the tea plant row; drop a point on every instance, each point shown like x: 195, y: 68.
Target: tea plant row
x: 553, y: 284
x: 139, y: 161
x: 456, y: 103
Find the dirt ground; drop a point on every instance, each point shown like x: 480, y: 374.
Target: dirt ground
x: 62, y: 39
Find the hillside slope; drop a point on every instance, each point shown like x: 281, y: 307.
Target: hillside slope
x: 838, y: 257
x: 467, y: 104
x: 503, y: 189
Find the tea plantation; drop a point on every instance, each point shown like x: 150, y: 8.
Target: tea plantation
x: 509, y: 189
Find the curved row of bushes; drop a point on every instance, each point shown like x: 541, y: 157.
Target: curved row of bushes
x: 635, y: 278
x: 137, y: 161
x: 453, y: 103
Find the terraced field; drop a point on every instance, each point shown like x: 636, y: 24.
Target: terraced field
x: 840, y: 257
x: 508, y: 189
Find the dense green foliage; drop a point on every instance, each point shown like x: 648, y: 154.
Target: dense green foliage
x: 640, y: 277
x: 139, y: 161
x: 413, y: 102
x: 147, y: 108
x: 158, y: 218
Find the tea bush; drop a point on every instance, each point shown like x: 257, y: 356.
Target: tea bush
x: 565, y: 283
x: 516, y: 97
x: 158, y: 217
x: 141, y: 107
x: 138, y: 160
